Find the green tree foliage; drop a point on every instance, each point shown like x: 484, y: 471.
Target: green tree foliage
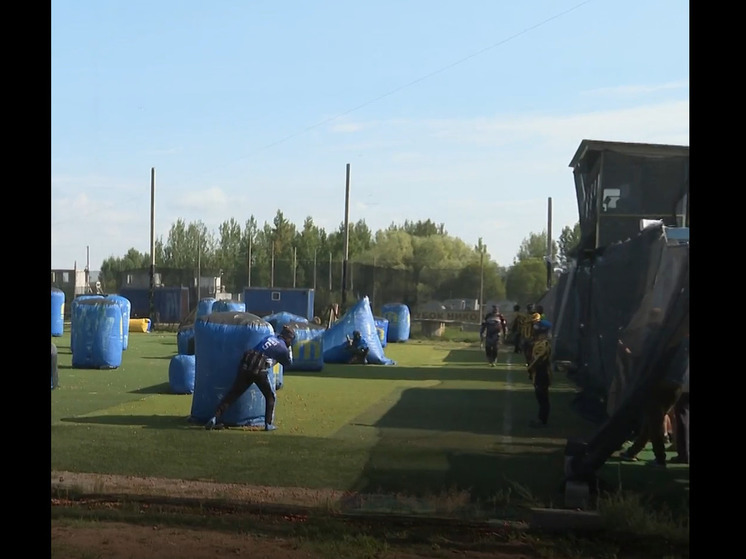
x: 569, y: 240
x: 535, y: 246
x: 428, y: 260
x: 359, y: 240
x: 112, y: 268
x: 527, y: 280
x: 229, y: 254
x: 310, y: 245
x: 393, y: 248
x: 435, y: 259
x: 186, y: 244
x: 423, y: 228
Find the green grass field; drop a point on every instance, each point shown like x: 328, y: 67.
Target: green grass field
x: 439, y: 422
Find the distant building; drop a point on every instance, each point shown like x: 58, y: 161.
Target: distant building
x: 461, y: 304
x: 75, y: 282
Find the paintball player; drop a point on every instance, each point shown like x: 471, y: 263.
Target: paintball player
x: 357, y: 348
x: 540, y: 369
x: 254, y: 367
x: 515, y: 333
x: 528, y: 335
x: 664, y: 395
x: 492, y: 326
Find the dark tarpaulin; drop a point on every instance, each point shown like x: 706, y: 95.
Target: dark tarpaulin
x: 634, y: 294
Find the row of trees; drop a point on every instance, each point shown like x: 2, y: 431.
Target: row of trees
x: 280, y: 255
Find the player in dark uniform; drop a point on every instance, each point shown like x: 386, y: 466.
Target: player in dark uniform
x: 540, y: 369
x: 357, y: 348
x: 492, y: 326
x: 515, y: 334
x: 253, y: 368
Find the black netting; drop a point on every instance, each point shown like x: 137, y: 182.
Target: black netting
x: 623, y: 319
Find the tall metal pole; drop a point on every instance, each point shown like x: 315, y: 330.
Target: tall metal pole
x: 199, y: 271
x: 272, y: 270
x: 347, y: 238
x: 481, y: 275
x: 87, y: 272
x: 249, y: 261
x: 152, y: 245
x: 314, y: 269
x: 550, y: 264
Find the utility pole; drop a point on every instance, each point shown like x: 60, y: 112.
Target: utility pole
x: 481, y: 275
x: 272, y: 270
x: 199, y: 272
x: 87, y: 274
x: 550, y: 257
x: 347, y: 239
x: 152, y: 245
x: 249, y: 261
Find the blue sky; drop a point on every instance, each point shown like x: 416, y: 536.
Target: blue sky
x: 465, y: 112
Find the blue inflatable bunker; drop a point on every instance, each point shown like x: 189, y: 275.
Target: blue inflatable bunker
x: 399, y: 319
x: 382, y: 325
x: 220, y: 339
x: 97, y: 324
x: 308, y: 346
x: 205, y: 306
x: 225, y: 305
x: 359, y: 317
x: 280, y: 319
x: 181, y: 374
x: 75, y: 312
x: 125, y: 306
x: 58, y: 312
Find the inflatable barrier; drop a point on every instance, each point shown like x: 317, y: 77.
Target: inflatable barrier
x: 58, y: 312
x: 139, y: 325
x: 220, y: 340
x: 181, y: 372
x: 360, y: 318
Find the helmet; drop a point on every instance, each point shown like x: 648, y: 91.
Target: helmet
x: 287, y: 334
x: 536, y: 317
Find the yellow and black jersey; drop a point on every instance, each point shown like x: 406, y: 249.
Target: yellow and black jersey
x: 541, y: 349
x: 516, y: 327
x: 526, y: 326
x: 539, y: 369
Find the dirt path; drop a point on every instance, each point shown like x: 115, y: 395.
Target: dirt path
x: 265, y: 536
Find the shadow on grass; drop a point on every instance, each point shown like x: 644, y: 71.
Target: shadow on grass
x: 524, y: 464
x: 467, y: 356
x: 469, y: 372
x: 149, y: 421
x: 489, y: 481
x: 163, y: 388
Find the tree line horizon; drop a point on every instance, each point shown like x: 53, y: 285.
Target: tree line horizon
x: 414, y: 262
